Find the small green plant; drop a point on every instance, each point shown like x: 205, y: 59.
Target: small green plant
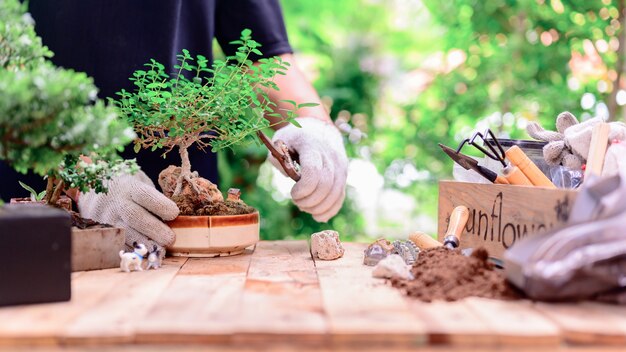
x: 34, y: 196
x: 214, y: 106
x: 50, y: 116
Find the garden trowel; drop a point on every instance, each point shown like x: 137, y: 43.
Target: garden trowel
x: 452, y: 238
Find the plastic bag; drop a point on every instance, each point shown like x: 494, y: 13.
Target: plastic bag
x: 563, y: 177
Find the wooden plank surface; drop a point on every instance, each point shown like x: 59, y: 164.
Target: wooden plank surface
x: 116, y: 316
x: 282, y: 297
x: 500, y: 215
x: 45, y: 323
x: 515, y: 323
x: 362, y: 309
x: 453, y: 323
x: 279, y: 296
x: 588, y: 323
x: 201, y: 303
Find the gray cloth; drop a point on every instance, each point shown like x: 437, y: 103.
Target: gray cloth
x: 585, y: 259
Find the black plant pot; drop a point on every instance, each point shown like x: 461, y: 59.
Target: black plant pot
x: 35, y: 260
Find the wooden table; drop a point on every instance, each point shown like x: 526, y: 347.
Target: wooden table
x: 279, y: 296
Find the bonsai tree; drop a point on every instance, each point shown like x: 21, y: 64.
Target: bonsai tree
x: 20, y: 47
x: 50, y: 117
x: 214, y: 107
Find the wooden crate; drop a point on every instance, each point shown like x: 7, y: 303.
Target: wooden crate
x: 96, y: 248
x: 500, y: 215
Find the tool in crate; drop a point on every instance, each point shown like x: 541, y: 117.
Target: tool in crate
x: 519, y: 171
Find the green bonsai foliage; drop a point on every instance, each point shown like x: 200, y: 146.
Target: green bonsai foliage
x: 50, y: 116
x: 214, y: 106
x: 19, y: 44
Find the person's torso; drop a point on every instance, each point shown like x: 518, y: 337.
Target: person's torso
x: 111, y: 39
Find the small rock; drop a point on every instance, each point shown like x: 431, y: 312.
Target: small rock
x: 377, y: 251
x: 234, y: 194
x: 407, y: 250
x: 387, y: 246
x: 374, y: 254
x: 325, y: 245
x: 392, y: 267
x: 209, y: 192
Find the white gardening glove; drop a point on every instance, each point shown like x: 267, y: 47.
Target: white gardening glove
x: 615, y: 159
x: 324, y: 166
x: 133, y: 203
x: 570, y: 145
x: 558, y: 151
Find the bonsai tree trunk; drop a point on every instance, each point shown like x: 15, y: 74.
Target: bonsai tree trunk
x: 185, y: 172
x: 54, y: 191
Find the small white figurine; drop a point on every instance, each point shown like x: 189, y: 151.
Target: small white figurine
x: 154, y: 260
x: 132, y: 260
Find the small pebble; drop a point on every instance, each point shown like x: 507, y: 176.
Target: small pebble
x: 326, y: 245
x: 392, y: 267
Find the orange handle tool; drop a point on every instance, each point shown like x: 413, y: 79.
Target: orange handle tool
x: 458, y: 219
x: 424, y: 241
x: 518, y: 158
x: 515, y: 176
x: 501, y: 181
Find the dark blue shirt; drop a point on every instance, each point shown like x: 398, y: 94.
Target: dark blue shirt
x: 110, y: 39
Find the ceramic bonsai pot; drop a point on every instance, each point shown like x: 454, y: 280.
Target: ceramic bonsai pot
x: 212, y: 236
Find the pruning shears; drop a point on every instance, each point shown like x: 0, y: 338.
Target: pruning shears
x: 280, y: 151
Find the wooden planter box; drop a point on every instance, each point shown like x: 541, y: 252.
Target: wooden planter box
x: 500, y: 215
x: 63, y: 202
x: 96, y: 248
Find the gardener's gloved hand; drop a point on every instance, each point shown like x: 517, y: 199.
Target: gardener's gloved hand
x: 134, y: 204
x: 615, y: 160
x: 324, y: 166
x: 570, y: 145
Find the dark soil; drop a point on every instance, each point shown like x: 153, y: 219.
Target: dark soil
x: 445, y: 274
x: 83, y: 223
x: 190, y: 206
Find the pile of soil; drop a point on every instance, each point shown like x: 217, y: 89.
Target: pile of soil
x: 195, y: 206
x: 84, y: 223
x: 208, y: 201
x: 445, y: 274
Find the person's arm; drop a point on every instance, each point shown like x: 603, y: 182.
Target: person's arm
x: 294, y: 86
x: 318, y: 144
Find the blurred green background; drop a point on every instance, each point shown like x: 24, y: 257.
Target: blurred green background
x: 400, y: 76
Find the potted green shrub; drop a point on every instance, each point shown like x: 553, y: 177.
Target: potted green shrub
x: 51, y: 122
x: 205, y: 106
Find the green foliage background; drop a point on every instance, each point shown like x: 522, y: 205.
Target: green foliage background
x: 410, y: 74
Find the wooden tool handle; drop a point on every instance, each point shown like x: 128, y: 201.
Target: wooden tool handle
x: 501, y: 181
x: 424, y: 241
x: 515, y: 176
x: 458, y: 219
x: 597, y: 149
x: 518, y: 158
